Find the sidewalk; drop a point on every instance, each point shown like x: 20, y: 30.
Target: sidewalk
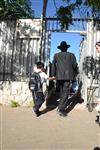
x: 21, y: 130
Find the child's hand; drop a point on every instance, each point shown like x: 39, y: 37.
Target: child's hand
x: 52, y: 78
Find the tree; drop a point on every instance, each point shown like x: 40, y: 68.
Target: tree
x: 15, y: 9
x: 84, y: 8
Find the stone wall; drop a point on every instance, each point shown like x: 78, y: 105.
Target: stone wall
x: 15, y: 91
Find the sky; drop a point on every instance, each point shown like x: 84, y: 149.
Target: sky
x: 73, y: 39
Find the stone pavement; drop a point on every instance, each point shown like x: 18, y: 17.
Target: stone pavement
x: 21, y: 130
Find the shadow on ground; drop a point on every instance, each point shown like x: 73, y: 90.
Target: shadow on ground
x: 73, y: 101
x: 53, y: 100
x: 96, y: 148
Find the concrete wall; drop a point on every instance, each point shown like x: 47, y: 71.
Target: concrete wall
x: 87, y: 49
x: 15, y: 91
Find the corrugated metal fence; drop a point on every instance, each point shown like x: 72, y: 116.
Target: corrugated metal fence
x: 17, y: 54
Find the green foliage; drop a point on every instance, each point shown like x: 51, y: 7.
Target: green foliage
x: 94, y: 6
x: 15, y: 9
x: 14, y: 103
x: 64, y: 13
x: 3, y: 9
x: 91, y: 6
x: 86, y: 8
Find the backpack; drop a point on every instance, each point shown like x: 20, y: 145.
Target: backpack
x: 35, y: 82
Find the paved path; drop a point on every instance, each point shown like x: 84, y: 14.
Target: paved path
x: 21, y: 130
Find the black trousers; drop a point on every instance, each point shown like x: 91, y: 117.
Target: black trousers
x: 64, y: 86
x: 38, y: 99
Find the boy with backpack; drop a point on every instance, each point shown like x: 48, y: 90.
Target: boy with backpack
x: 36, y: 83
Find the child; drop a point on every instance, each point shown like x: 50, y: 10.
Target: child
x: 38, y: 95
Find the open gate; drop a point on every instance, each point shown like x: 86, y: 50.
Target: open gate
x: 18, y: 54
x: 90, y: 30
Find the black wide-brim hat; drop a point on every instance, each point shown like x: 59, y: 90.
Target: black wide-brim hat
x: 63, y: 44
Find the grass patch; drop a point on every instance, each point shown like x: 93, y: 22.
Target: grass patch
x: 14, y: 104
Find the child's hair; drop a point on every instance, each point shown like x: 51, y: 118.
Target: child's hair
x: 98, y: 43
x: 39, y: 65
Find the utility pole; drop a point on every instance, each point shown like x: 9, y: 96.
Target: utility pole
x: 44, y: 8
x: 42, y: 44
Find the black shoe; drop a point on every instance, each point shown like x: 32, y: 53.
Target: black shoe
x: 63, y: 114
x: 97, y: 120
x: 37, y: 112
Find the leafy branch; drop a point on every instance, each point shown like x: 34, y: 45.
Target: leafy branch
x: 16, y: 9
x: 86, y: 8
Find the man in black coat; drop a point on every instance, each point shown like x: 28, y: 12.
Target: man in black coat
x: 64, y: 68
